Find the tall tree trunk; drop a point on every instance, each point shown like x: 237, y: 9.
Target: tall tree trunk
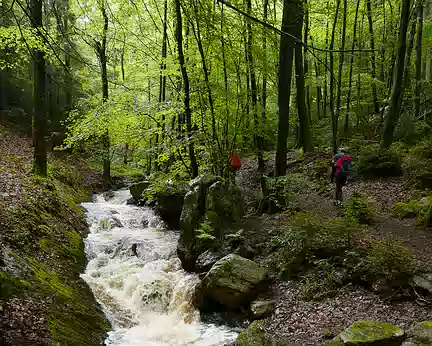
x: 39, y: 91
x: 101, y: 50
x: 286, y: 54
x: 318, y: 91
x: 341, y: 63
x: 264, y: 82
x: 332, y: 79
x: 163, y: 78
x: 325, y: 98
x: 397, y: 88
x: 351, y: 70
x: 373, y: 59
x: 225, y: 73
x: 305, y: 57
x: 409, y: 50
x: 254, y: 91
x: 186, y: 87
x: 419, y: 74
x: 305, y: 137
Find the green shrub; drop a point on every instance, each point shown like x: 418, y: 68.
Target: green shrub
x: 417, y: 165
x: 374, y: 162
x: 421, y: 210
x: 312, y: 237
x: 322, y: 169
x: 389, y: 259
x: 360, y: 209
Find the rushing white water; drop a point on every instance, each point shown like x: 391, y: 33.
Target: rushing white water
x: 136, y: 276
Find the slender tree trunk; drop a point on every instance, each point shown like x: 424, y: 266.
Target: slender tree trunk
x: 318, y: 91
x: 254, y: 91
x: 419, y: 75
x: 326, y: 64
x: 39, y: 92
x: 163, y: 66
x: 351, y: 70
x: 373, y: 59
x: 286, y: 54
x: 305, y: 57
x: 332, y: 79
x: 187, y: 109
x: 101, y: 51
x: 397, y: 88
x: 305, y: 137
x: 264, y: 82
x: 225, y: 73
x: 341, y: 63
x: 409, y: 50
x: 206, y: 76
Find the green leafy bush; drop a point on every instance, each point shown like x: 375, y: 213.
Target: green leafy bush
x: 389, y: 259
x: 360, y: 209
x: 417, y: 165
x: 312, y: 237
x: 374, y: 162
x: 421, y: 210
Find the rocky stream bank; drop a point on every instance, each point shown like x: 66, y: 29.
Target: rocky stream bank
x: 239, y: 261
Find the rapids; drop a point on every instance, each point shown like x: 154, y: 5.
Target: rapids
x: 137, y: 278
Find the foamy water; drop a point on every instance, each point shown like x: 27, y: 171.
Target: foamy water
x: 136, y: 276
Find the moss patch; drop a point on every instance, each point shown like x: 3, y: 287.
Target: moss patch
x: 254, y: 335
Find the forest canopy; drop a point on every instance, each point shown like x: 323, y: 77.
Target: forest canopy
x: 176, y: 86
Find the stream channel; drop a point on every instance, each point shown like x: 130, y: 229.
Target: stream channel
x: 136, y: 276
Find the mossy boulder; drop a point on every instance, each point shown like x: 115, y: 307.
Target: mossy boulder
x: 370, y: 333
x: 422, y: 333
x: 262, y: 308
x: 254, y: 335
x: 233, y: 281
x: 137, y: 189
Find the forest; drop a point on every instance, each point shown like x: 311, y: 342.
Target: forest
x: 206, y: 132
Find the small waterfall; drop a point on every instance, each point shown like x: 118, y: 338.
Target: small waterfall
x: 136, y: 276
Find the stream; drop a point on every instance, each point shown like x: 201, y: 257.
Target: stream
x: 136, y: 276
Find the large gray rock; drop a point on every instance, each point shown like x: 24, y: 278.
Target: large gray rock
x: 370, y: 333
x: 209, y: 200
x: 422, y: 333
x: 262, y: 308
x: 254, y: 335
x: 226, y: 200
x: 206, y: 260
x: 169, y: 205
x: 232, y: 282
x: 137, y: 189
x: 424, y: 282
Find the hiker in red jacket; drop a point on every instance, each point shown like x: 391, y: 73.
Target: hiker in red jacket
x: 341, y: 169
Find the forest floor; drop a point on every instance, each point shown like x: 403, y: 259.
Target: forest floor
x: 300, y: 322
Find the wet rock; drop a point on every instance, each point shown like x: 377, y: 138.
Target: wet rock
x: 206, y: 260
x: 262, y: 308
x: 422, y: 333
x: 115, y: 222
x: 226, y: 200
x: 370, y: 333
x: 137, y: 189
x: 423, y: 282
x: 233, y: 281
x: 169, y: 206
x: 254, y: 335
x: 108, y: 195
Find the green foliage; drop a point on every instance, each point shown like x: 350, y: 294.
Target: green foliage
x: 420, y: 209
x: 374, y: 162
x: 389, y: 259
x: 204, y: 232
x: 417, y: 165
x: 360, y: 209
x: 312, y: 237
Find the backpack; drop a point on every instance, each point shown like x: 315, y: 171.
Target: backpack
x: 344, y: 166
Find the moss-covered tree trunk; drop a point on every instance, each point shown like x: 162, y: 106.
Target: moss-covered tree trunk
x: 393, y: 111
x: 286, y: 55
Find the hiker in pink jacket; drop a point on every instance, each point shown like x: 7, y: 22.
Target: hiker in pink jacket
x: 340, y: 172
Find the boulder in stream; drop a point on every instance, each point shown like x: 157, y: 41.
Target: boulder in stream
x: 370, y: 333
x: 233, y: 281
x: 421, y: 334
x: 137, y: 189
